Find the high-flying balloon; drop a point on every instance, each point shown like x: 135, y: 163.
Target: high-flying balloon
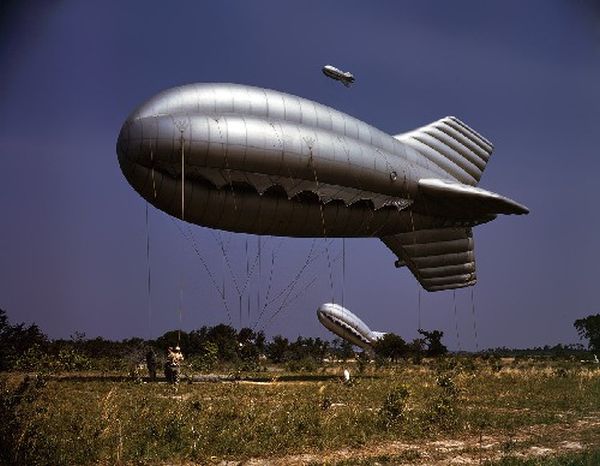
x: 261, y: 161
x: 345, y: 77
x: 348, y: 326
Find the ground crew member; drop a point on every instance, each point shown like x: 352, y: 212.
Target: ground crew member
x: 151, y: 363
x: 173, y: 364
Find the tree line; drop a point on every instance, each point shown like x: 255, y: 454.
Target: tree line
x: 26, y: 347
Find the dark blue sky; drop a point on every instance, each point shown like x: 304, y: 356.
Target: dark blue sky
x: 73, y: 234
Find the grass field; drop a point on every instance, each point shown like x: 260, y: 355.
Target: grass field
x: 467, y: 411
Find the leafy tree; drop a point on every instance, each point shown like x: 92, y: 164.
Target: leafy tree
x: 433, y: 340
x: 226, y: 339
x: 390, y: 346
x: 17, y: 339
x: 342, y: 349
x: 278, y: 349
x: 173, y: 338
x: 589, y: 328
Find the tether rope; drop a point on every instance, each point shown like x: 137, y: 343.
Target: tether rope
x: 149, y: 277
x: 419, y: 311
x: 456, y: 319
x: 181, y: 130
x: 343, y: 268
x: 220, y: 291
x: 269, y: 284
x: 287, y: 301
x: 474, y: 319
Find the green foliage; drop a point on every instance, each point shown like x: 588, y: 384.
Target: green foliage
x: 589, y: 328
x: 15, y: 340
x: 305, y: 364
x: 209, y: 356
x: 341, y: 349
x: 39, y: 360
x: 391, y: 346
x: 433, y: 340
x: 97, y: 420
x: 394, y: 406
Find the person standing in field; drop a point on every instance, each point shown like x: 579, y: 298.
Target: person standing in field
x: 173, y: 364
x: 151, y: 363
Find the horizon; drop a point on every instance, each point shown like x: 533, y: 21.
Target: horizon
x: 74, y: 235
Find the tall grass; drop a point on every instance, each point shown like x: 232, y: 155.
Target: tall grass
x: 71, y: 420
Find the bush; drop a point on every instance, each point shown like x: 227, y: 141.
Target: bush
x: 394, y: 406
x: 306, y: 364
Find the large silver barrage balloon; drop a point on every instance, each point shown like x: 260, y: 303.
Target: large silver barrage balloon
x: 269, y: 163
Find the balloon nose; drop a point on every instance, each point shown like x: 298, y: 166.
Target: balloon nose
x: 123, y: 142
x: 130, y: 141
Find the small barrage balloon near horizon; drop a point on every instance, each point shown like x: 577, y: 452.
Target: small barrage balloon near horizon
x: 348, y: 326
x: 253, y: 160
x: 345, y: 77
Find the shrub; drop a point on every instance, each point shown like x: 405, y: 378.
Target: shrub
x: 394, y: 405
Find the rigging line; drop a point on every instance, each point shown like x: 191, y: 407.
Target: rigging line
x: 357, y: 179
x: 474, y: 319
x: 367, y: 219
x: 419, y: 311
x: 152, y: 173
x: 247, y: 279
x: 343, y: 268
x: 286, y: 302
x: 182, y: 139
x: 290, y: 287
x: 217, y: 237
x: 224, y: 296
x: 259, y: 240
x: 321, y: 210
x: 265, y: 305
x: 250, y: 273
x: 149, y: 278
x: 303, y: 290
x: 456, y: 319
x: 307, y: 262
x: 220, y: 292
x: 180, y: 311
x: 414, y: 235
x: 227, y: 169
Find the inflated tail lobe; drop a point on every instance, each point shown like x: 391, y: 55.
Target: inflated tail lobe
x: 443, y: 258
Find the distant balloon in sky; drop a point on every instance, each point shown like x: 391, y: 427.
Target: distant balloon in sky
x: 345, y: 77
x: 346, y: 325
x: 260, y: 161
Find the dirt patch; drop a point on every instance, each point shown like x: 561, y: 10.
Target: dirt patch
x: 533, y: 441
